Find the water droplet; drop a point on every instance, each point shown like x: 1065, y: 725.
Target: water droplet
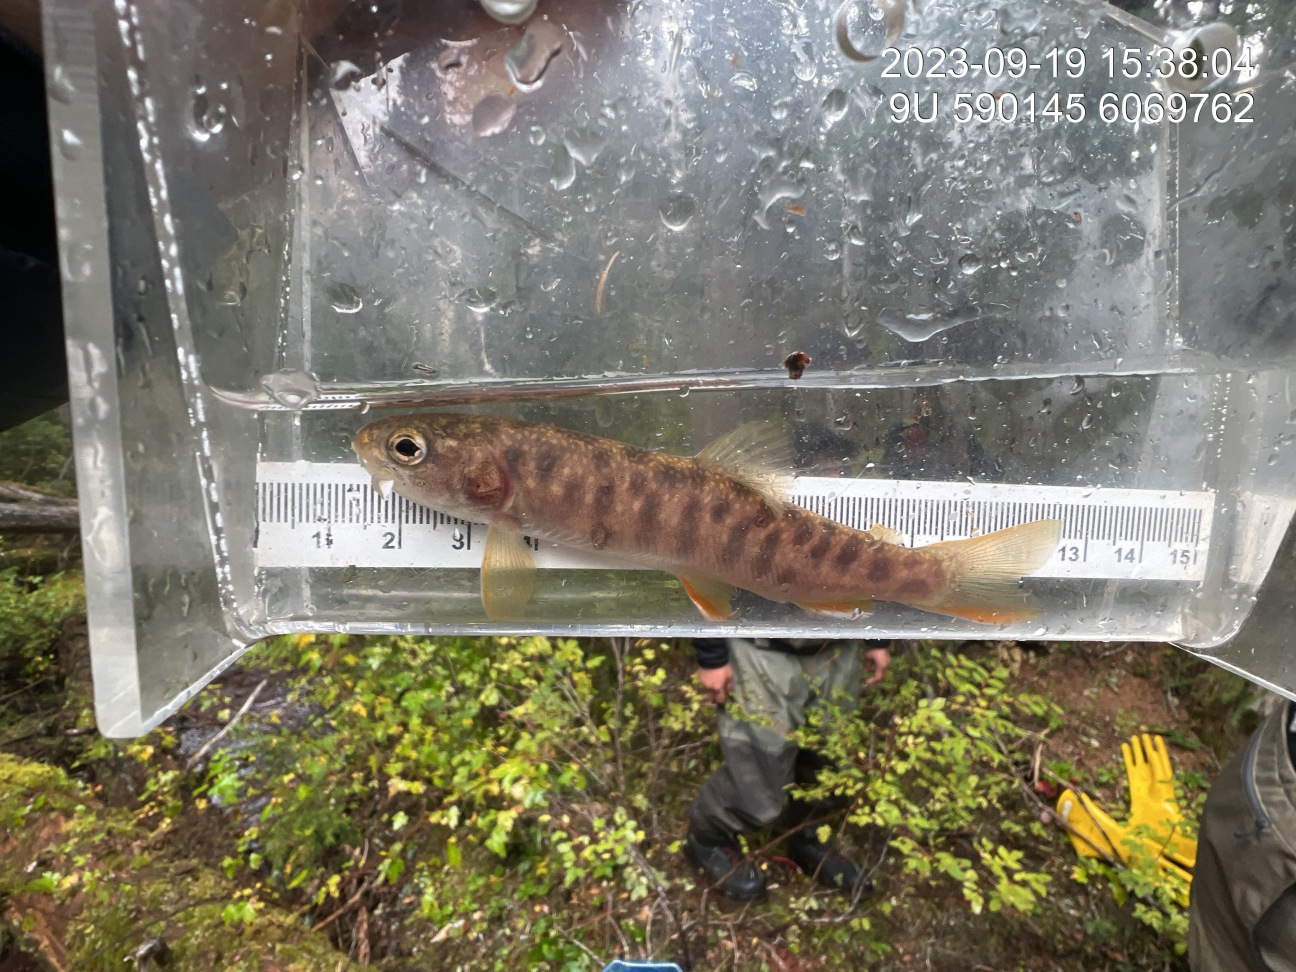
x: 778, y: 189
x: 676, y: 211
x: 832, y: 250
x: 509, y: 11
x: 625, y: 170
x: 920, y: 326
x: 60, y: 86
x: 457, y: 534
x: 77, y: 259
x: 855, y: 236
x: 536, y: 135
x: 1077, y: 385
x: 69, y: 145
x: 291, y: 389
x: 343, y: 74
x: 480, y: 299
x: 529, y: 58
x: 1087, y: 421
x: 493, y: 114
x: 584, y: 144
x: 562, y: 173
x: 451, y: 59
x: 805, y: 67
x: 779, y: 110
x: 344, y: 298
x: 833, y: 107
x: 744, y: 81
x: 684, y: 391
x: 969, y: 263
x: 865, y: 27
x: 208, y: 116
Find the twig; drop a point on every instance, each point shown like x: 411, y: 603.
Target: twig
x: 21, y: 689
x: 364, y: 886
x: 193, y: 760
x: 598, y: 294
x: 598, y: 962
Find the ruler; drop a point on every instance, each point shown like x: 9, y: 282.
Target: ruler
x: 328, y: 515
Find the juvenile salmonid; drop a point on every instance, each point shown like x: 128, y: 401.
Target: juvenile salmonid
x: 718, y: 520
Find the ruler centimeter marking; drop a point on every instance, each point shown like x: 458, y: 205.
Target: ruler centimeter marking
x: 328, y: 515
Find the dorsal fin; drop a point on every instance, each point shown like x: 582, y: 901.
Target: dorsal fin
x: 757, y: 454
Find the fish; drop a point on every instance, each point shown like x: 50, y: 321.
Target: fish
x: 720, y: 521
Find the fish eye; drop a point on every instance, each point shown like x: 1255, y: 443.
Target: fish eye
x: 407, y: 446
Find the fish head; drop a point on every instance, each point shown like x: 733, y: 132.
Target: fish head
x: 454, y: 463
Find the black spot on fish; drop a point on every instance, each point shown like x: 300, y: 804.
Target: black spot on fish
x: 802, y: 533
x: 513, y: 455
x: 765, y: 553
x: 878, y: 571
x: 599, y: 536
x: 571, y: 492
x: 600, y: 458
x: 763, y: 518
x: 637, y: 481
x: 719, y: 510
x: 848, y: 554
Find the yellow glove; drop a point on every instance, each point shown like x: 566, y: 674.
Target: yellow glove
x: 1094, y: 833
x: 1152, y: 798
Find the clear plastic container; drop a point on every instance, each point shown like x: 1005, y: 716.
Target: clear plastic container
x: 278, y: 224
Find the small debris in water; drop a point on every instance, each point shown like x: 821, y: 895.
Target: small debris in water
x: 426, y: 369
x: 796, y: 364
x: 598, y: 294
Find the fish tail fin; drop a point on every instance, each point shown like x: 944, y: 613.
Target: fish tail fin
x: 983, y: 573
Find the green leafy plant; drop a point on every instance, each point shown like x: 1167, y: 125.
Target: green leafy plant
x: 934, y: 765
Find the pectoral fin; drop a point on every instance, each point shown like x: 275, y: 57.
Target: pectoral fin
x: 759, y: 455
x: 508, y: 573
x: 711, y: 596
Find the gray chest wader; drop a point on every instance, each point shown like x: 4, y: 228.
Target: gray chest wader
x: 1243, y: 912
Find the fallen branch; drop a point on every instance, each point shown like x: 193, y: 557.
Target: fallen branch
x: 39, y: 517
x: 24, y: 494
x: 192, y: 761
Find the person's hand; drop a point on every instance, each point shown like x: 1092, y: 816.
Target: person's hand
x: 878, y: 659
x: 717, y: 682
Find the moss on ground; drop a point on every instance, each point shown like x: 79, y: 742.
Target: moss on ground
x: 86, y: 886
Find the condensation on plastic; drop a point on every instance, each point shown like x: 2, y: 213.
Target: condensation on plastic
x: 621, y: 218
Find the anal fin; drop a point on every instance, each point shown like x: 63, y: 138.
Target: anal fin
x: 508, y: 573
x: 846, y: 608
x: 711, y: 596
x: 985, y: 600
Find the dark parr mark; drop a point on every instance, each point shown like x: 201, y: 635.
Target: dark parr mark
x: 821, y: 547
x: 547, y: 460
x: 604, y: 497
x: 848, y: 554
x: 719, y: 510
x: 648, y: 511
x: 802, y: 533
